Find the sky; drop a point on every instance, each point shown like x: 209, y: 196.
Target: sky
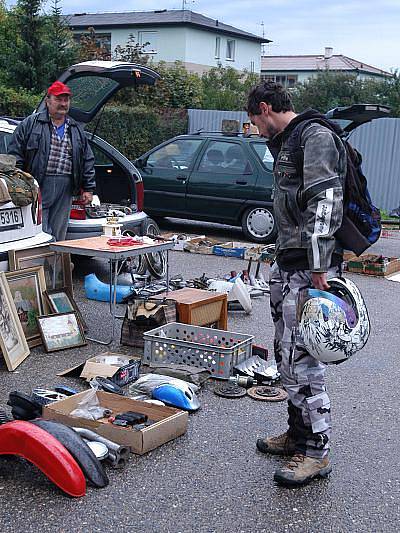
x: 366, y: 30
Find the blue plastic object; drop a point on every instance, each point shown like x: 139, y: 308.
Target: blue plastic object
x: 97, y: 290
x: 183, y: 398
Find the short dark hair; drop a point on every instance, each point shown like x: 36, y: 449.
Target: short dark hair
x: 269, y: 92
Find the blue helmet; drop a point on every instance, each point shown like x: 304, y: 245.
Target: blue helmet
x: 181, y: 396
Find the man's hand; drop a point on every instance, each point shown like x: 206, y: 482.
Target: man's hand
x: 87, y: 197
x: 319, y: 281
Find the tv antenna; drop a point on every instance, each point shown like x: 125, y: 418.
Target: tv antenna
x: 186, y: 2
x: 263, y: 36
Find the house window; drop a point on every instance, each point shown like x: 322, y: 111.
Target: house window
x: 217, y: 47
x: 287, y: 80
x: 148, y: 40
x: 230, y: 49
x: 103, y: 40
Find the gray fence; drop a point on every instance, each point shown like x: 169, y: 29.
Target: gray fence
x: 378, y: 142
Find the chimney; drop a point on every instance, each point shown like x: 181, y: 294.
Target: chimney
x: 328, y: 52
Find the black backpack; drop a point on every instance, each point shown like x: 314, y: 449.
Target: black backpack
x: 361, y: 226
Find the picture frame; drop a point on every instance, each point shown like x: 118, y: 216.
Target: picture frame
x: 61, y: 331
x: 27, y: 287
x: 13, y: 344
x: 62, y: 301
x: 57, y: 267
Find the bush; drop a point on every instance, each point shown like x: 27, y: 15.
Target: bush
x: 133, y: 131
x: 17, y: 102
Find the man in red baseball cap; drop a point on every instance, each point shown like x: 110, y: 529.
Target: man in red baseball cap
x: 53, y: 147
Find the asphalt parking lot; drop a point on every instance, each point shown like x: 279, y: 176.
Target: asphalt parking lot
x: 212, y: 479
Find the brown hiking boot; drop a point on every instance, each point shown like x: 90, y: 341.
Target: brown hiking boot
x: 281, y: 445
x: 301, y: 469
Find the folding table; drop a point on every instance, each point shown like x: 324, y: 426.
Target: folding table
x: 98, y: 247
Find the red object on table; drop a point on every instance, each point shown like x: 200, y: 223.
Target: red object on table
x: 123, y: 241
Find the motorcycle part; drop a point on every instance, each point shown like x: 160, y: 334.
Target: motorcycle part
x: 77, y: 447
x: 242, y: 381
x: 181, y: 396
x: 267, y: 394
x: 23, y: 407
x: 119, y: 422
x: 132, y: 418
x: 64, y: 389
x: 156, y: 262
x: 108, y: 386
x: 230, y: 390
x: 44, y: 396
x: 4, y: 418
x: 118, y: 455
x: 97, y: 290
x: 99, y: 449
x: 44, y: 451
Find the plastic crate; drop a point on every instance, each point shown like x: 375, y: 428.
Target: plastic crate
x: 215, y: 350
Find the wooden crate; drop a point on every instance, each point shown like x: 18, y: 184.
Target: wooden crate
x: 373, y: 265
x: 200, y: 308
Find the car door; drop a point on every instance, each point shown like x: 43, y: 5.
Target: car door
x: 221, y: 182
x: 350, y: 117
x: 93, y: 83
x: 165, y: 172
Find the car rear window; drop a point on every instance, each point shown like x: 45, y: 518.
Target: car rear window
x: 264, y: 155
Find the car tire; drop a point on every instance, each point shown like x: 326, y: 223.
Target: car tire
x: 258, y: 225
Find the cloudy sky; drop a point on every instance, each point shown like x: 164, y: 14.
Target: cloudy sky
x: 366, y: 30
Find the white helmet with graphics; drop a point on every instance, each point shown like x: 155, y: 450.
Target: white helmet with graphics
x: 333, y: 324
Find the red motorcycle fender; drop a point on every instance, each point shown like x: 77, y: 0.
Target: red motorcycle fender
x: 44, y: 451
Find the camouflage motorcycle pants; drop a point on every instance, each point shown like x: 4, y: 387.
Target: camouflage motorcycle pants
x: 302, y: 376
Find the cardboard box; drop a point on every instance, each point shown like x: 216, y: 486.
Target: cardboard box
x: 229, y: 249
x: 117, y: 366
x: 179, y: 243
x: 169, y: 422
x: 373, y: 265
x: 199, y: 245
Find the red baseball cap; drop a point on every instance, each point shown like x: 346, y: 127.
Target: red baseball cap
x: 58, y: 88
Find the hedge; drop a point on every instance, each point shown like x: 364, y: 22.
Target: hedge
x: 17, y: 103
x: 133, y: 131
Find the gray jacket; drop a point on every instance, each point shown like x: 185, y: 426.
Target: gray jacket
x: 30, y: 144
x: 309, y: 208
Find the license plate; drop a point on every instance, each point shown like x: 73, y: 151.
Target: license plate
x: 11, y: 219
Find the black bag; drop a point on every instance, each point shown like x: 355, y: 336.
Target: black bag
x: 361, y: 226
x: 144, y: 314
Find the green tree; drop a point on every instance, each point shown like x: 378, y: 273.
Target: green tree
x: 226, y: 88
x: 61, y: 51
x: 90, y: 48
x: 328, y: 90
x: 27, y: 67
x: 132, y: 52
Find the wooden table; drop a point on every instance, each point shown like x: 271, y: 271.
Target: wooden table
x: 200, y: 308
x: 98, y: 247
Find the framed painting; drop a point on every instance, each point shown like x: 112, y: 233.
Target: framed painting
x: 57, y: 267
x: 62, y: 301
x: 12, y: 339
x: 61, y: 331
x: 27, y: 287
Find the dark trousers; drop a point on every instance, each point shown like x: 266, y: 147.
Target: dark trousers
x: 56, y: 204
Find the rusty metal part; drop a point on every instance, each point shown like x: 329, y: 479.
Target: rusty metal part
x: 267, y: 394
x: 230, y: 390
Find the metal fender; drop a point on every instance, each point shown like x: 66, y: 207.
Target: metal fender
x: 44, y: 451
x: 77, y: 447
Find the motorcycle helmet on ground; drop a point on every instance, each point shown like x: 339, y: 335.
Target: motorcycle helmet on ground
x: 333, y: 324
x: 181, y: 396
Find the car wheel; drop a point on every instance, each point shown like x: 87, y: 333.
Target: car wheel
x: 136, y: 264
x: 258, y: 224
x: 156, y: 262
